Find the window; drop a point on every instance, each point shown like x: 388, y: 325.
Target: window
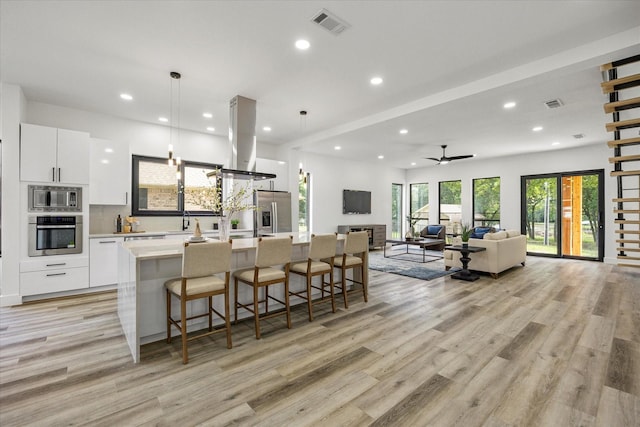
x: 486, y: 202
x: 157, y: 190
x: 450, y: 206
x: 396, y: 211
x: 304, y: 181
x: 418, y: 206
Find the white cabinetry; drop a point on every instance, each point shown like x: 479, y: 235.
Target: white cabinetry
x: 103, y: 261
x: 53, y: 274
x: 109, y: 183
x: 53, y: 155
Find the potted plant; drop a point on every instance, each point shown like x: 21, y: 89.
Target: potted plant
x: 234, y: 223
x: 465, y: 234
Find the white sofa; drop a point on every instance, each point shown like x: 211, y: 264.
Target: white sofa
x: 505, y: 249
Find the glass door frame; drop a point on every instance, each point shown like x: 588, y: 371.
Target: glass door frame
x: 558, y: 196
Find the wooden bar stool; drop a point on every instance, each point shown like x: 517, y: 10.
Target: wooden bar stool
x: 320, y: 262
x: 269, y: 253
x: 200, y: 264
x: 354, y: 256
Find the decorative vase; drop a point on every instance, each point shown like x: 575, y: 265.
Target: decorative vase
x: 465, y: 244
x: 223, y: 229
x: 234, y: 226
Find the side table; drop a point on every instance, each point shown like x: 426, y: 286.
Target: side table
x: 465, y: 274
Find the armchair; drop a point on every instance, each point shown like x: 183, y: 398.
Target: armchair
x: 435, y: 232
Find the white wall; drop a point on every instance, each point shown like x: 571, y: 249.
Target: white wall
x: 510, y: 169
x: 12, y: 112
x: 331, y: 175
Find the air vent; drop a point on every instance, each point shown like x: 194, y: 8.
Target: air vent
x: 578, y: 136
x: 554, y: 103
x: 330, y: 22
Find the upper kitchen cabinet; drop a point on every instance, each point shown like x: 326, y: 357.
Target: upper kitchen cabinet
x: 281, y: 171
x: 53, y: 155
x: 110, y: 171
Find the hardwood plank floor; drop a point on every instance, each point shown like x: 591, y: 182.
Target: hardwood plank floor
x: 556, y: 343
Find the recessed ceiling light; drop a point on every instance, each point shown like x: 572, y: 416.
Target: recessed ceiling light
x: 337, y: 147
x: 280, y: 162
x: 163, y: 119
x: 555, y: 143
x: 126, y: 96
x: 376, y: 81
x: 404, y: 131
x: 211, y: 129
x: 108, y: 150
x: 207, y: 115
x: 381, y: 156
x: 537, y: 129
x: 413, y: 163
x: 266, y: 129
x: 302, y: 44
x: 510, y: 104
x: 104, y: 161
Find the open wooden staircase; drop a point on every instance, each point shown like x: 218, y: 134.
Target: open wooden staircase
x: 624, y: 106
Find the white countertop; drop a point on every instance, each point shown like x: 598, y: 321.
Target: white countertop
x: 165, y: 233
x: 161, y: 248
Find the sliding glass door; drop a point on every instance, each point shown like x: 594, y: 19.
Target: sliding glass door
x: 562, y: 214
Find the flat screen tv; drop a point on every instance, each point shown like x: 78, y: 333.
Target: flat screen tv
x: 356, y: 202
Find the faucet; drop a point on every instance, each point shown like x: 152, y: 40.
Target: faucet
x: 185, y: 214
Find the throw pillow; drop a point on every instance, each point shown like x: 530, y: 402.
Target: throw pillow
x: 513, y: 233
x: 433, y: 229
x: 479, y: 232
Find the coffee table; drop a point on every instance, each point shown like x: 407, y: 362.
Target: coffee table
x: 465, y: 274
x: 422, y: 243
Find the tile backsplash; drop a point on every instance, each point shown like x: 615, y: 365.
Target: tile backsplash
x: 102, y: 220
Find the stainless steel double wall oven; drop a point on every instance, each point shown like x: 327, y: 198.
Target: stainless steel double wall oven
x: 54, y: 230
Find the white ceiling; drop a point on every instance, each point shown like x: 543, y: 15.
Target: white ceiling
x: 448, y: 67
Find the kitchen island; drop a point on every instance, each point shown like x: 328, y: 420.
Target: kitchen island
x: 144, y: 266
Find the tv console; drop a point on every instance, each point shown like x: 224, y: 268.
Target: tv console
x: 377, y: 233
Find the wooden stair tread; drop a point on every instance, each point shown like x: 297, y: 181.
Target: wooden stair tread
x: 627, y: 221
x: 630, y: 211
x: 625, y: 249
x: 619, y: 63
x: 611, y: 107
x: 623, y: 124
x: 627, y: 257
x: 625, y: 173
x: 629, y: 158
x: 626, y: 199
x: 634, y: 241
x: 626, y: 141
x: 620, y: 83
x: 626, y: 231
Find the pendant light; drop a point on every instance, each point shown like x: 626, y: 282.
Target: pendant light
x: 174, y: 161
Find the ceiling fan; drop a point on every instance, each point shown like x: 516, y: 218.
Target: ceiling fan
x: 444, y: 159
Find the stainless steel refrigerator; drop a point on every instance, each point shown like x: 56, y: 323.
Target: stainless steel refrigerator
x: 273, y: 213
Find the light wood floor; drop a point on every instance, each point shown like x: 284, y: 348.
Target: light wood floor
x: 556, y: 343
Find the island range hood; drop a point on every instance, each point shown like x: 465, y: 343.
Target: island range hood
x: 241, y: 160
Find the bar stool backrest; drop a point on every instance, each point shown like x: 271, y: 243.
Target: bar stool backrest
x: 356, y: 242
x: 323, y: 246
x: 273, y: 251
x: 205, y: 259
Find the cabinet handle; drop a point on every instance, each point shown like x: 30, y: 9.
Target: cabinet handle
x: 56, y: 274
x: 53, y: 174
x: 55, y: 265
x: 126, y: 197
x: 106, y: 241
x: 59, y: 175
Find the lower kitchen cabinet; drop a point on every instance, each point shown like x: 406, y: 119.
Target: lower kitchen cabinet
x: 103, y: 261
x: 50, y: 275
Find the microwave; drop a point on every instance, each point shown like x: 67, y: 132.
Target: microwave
x: 46, y: 198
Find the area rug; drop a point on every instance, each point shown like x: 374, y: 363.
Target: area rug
x: 402, y: 265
